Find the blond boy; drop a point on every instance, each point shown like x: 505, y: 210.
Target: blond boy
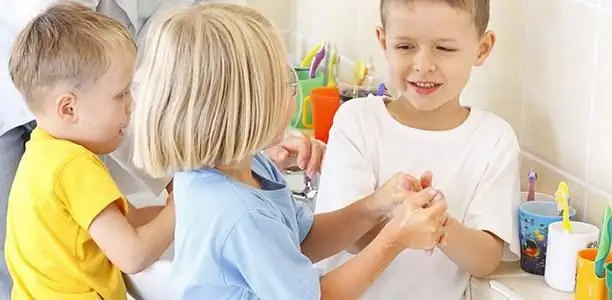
x: 69, y: 234
x: 431, y: 48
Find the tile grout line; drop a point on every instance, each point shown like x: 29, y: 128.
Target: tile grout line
x: 591, y: 125
x: 529, y: 155
x: 522, y: 110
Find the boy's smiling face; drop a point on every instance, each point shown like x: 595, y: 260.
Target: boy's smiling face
x: 431, y: 48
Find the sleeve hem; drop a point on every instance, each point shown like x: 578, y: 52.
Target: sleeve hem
x: 510, y: 244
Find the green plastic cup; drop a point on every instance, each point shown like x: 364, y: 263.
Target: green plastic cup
x: 302, y: 118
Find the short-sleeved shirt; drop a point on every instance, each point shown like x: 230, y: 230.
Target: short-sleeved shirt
x: 59, y: 189
x: 475, y: 165
x: 233, y: 241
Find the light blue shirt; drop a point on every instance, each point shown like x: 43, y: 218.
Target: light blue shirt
x: 236, y: 242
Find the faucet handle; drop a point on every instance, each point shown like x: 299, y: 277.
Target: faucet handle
x: 309, y: 192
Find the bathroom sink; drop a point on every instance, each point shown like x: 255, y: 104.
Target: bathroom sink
x: 154, y: 282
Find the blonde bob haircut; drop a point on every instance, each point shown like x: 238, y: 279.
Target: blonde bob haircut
x: 213, y: 89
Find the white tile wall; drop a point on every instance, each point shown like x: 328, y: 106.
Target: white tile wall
x: 550, y: 76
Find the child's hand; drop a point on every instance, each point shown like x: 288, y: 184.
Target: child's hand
x: 415, y: 225
x: 426, y: 179
x: 426, y: 182
x: 396, y: 190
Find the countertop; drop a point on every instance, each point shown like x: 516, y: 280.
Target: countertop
x: 528, y: 286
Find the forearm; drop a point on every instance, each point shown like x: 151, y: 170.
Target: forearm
x: 155, y: 236
x: 140, y: 216
x: 335, y: 231
x: 353, y: 278
x: 367, y: 238
x: 478, y: 252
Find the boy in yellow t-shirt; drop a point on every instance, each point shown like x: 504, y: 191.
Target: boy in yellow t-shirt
x: 69, y: 234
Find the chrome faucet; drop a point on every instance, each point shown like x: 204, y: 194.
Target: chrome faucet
x: 308, y: 194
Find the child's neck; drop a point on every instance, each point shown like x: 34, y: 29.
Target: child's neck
x: 59, y: 131
x: 448, y: 116
x: 241, y: 171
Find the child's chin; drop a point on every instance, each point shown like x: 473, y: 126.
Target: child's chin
x: 425, y: 105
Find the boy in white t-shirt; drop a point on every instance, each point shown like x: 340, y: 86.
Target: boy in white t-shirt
x: 431, y: 47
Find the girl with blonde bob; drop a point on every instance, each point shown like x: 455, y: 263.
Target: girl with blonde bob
x: 215, y: 91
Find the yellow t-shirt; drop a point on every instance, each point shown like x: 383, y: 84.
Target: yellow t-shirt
x: 59, y: 188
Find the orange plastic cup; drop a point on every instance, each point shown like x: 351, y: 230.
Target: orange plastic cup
x: 325, y: 102
x: 588, y: 285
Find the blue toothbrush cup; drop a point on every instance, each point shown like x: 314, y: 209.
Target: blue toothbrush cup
x: 534, y: 218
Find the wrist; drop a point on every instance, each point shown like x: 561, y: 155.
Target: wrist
x: 371, y: 209
x: 389, y: 240
x: 394, y: 237
x: 452, y: 228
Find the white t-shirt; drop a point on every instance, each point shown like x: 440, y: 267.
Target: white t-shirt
x: 475, y: 165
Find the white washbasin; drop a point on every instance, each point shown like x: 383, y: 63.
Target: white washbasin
x: 154, y: 282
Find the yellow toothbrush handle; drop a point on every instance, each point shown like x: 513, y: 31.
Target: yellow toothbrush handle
x: 331, y: 81
x: 308, y: 58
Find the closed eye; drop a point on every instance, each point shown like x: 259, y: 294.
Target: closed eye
x: 404, y: 47
x: 445, y: 49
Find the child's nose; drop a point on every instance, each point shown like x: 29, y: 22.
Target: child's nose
x: 423, y: 62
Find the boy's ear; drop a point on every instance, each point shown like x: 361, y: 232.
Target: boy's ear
x: 380, y: 35
x: 486, y: 45
x: 66, y: 108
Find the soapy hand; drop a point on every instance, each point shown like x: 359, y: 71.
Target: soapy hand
x: 398, y: 189
x: 298, y: 150
x: 426, y: 182
x: 426, y: 179
x: 418, y: 222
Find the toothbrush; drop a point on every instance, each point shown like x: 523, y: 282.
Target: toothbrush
x: 360, y: 72
x: 317, y: 61
x: 367, y: 70
x: 603, y: 248
x: 381, y: 90
x: 311, y: 54
x: 327, y: 64
x: 561, y: 196
x: 533, y: 177
x: 332, y: 68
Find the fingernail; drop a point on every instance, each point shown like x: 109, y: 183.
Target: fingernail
x: 438, y: 197
x: 432, y: 192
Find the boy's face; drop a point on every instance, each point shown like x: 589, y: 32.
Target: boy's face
x: 431, y: 48
x: 99, y: 115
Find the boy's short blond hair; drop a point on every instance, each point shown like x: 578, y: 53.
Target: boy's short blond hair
x: 479, y: 9
x: 212, y: 90
x: 69, y: 44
